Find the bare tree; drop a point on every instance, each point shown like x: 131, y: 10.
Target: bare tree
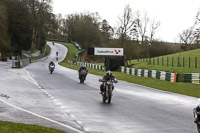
x: 142, y: 24
x: 187, y: 36
x: 198, y: 16
x: 153, y: 27
x: 126, y: 22
x: 197, y: 31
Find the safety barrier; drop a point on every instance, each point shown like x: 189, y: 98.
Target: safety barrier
x: 150, y: 73
x: 192, y: 78
x: 89, y: 65
x: 20, y: 63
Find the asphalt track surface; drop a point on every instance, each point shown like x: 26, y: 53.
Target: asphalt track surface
x: 58, y: 100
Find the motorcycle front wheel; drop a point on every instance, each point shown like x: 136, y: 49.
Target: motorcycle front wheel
x: 104, y: 97
x: 109, y: 96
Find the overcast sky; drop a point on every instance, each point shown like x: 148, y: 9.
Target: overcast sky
x: 174, y: 15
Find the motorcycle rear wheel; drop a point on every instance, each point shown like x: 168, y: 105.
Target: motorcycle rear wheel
x: 82, y: 80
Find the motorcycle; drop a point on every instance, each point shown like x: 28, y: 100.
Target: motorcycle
x: 82, y: 75
x: 51, y: 68
x: 108, y: 89
x: 195, y: 116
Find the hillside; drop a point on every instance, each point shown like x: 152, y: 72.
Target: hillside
x: 183, y: 62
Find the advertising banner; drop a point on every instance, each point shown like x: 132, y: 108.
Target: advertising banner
x: 109, y: 51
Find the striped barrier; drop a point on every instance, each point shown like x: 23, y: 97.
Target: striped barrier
x: 153, y: 73
x: 192, y: 78
x: 145, y: 73
x: 139, y: 73
x: 150, y: 73
x: 92, y: 66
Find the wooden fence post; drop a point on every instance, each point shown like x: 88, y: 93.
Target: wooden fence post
x: 195, y: 62
x: 167, y: 60
x: 189, y: 62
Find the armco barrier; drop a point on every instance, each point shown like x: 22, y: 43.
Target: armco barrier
x: 150, y: 73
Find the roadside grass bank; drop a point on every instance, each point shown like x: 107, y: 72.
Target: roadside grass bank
x: 187, y: 62
x: 8, y: 127
x: 48, y: 50
x: 178, y: 87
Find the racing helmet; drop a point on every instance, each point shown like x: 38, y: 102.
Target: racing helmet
x: 82, y: 66
x: 109, y: 73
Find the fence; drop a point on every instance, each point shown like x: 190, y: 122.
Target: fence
x: 150, y: 73
x: 190, y: 62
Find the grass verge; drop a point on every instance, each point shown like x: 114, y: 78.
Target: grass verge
x: 48, y: 50
x: 185, y: 58
x: 8, y: 127
x: 179, y: 87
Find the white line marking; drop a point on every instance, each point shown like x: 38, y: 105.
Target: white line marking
x: 86, y: 129
x: 79, y: 122
x: 73, y: 116
x: 67, y: 111
x: 62, y: 107
x: 58, y: 103
x: 55, y: 100
x: 61, y: 124
x: 32, y: 80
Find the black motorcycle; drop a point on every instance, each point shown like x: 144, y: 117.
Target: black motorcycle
x: 51, y: 68
x: 195, y: 116
x: 108, y: 90
x: 82, y: 75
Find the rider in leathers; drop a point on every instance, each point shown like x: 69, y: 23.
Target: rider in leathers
x: 198, y: 114
x: 106, y: 77
x: 81, y: 69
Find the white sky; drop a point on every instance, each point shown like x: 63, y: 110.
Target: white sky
x: 174, y: 15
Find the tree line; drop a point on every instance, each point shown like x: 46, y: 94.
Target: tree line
x: 135, y: 33
x: 24, y: 25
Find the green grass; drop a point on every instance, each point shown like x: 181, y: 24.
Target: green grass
x: 48, y: 50
x: 72, y: 50
x: 8, y: 127
x: 180, y: 87
x: 184, y: 66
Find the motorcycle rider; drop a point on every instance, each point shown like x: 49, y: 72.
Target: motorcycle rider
x: 81, y: 69
x: 198, y: 112
x: 106, y: 77
x: 51, y: 64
